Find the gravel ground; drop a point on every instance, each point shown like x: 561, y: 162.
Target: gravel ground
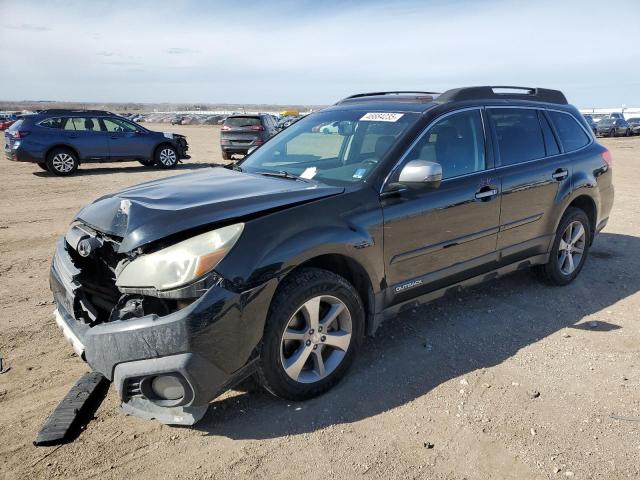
x: 512, y: 379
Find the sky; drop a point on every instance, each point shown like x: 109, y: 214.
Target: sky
x: 314, y: 52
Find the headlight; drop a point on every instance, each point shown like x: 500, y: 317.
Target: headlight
x: 181, y: 263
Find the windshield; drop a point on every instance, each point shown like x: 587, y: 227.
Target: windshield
x: 607, y: 121
x: 334, y: 147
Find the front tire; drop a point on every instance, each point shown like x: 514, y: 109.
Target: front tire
x: 62, y: 162
x: 570, y: 249
x: 166, y: 156
x: 312, y: 334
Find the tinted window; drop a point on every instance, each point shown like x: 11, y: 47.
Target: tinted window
x: 117, y: 125
x: 550, y: 143
x: 456, y: 142
x: 52, y: 123
x: 570, y: 132
x: 242, y: 122
x: 519, y: 134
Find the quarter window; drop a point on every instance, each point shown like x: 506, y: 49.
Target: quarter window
x: 456, y: 142
x: 52, y: 123
x: 518, y: 133
x: 571, y: 134
x: 549, y: 139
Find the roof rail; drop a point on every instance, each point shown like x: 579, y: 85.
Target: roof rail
x: 74, y: 110
x: 398, y: 92
x: 503, y: 92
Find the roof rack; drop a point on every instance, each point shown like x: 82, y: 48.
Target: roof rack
x: 503, y: 92
x: 423, y: 95
x: 50, y: 111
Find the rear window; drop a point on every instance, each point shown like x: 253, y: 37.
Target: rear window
x: 519, y: 134
x: 572, y: 135
x: 242, y: 122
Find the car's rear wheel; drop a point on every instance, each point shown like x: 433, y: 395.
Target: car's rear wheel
x: 166, y: 156
x: 569, y: 250
x: 312, y: 334
x: 43, y: 166
x: 62, y: 161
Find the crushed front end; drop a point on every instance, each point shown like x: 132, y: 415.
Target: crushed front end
x: 169, y: 353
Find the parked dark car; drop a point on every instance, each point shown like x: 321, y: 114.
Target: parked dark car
x: 593, y: 125
x: 240, y: 133
x: 613, y: 127
x: 634, y: 124
x: 277, y: 266
x: 60, y: 140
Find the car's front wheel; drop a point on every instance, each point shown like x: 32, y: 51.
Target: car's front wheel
x: 62, y: 161
x: 569, y: 250
x: 313, y: 331
x: 166, y: 157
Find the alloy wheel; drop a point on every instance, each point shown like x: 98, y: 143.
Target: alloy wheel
x: 316, y: 339
x: 571, y: 247
x: 63, y: 162
x: 168, y: 157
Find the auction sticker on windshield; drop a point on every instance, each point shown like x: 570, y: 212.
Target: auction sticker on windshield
x: 381, y: 117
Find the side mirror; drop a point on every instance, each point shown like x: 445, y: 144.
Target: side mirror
x: 421, y: 173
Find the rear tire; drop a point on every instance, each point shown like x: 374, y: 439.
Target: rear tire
x: 62, y: 162
x: 322, y: 318
x: 166, y: 156
x: 569, y: 250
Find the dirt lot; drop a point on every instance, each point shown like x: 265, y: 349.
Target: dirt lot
x: 512, y: 379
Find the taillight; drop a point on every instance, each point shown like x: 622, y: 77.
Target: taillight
x: 20, y: 133
x: 257, y: 128
x: 606, y: 156
x: 225, y: 127
x: 258, y: 141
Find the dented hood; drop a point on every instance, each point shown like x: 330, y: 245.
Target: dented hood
x: 160, y: 208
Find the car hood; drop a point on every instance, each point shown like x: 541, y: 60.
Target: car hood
x: 154, y: 210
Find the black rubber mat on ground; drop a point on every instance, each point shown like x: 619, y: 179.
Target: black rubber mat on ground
x: 74, y: 411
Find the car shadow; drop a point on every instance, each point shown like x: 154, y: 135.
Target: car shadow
x: 87, y: 170
x: 414, y: 353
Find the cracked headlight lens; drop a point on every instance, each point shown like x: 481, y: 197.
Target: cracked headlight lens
x: 181, y: 263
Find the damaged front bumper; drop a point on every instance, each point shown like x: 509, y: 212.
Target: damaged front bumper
x: 208, y: 346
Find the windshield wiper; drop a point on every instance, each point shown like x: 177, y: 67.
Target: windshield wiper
x: 283, y: 174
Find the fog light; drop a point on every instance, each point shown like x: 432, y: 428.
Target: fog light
x: 167, y: 387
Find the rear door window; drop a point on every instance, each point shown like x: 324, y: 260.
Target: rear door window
x: 572, y: 135
x: 83, y: 124
x: 518, y: 133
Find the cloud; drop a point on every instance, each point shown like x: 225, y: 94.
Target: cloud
x: 179, y: 51
x: 28, y: 27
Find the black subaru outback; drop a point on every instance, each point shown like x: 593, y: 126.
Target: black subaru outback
x: 59, y: 140
x: 277, y: 266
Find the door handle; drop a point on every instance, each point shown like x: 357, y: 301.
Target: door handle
x: 486, y: 193
x: 560, y: 174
